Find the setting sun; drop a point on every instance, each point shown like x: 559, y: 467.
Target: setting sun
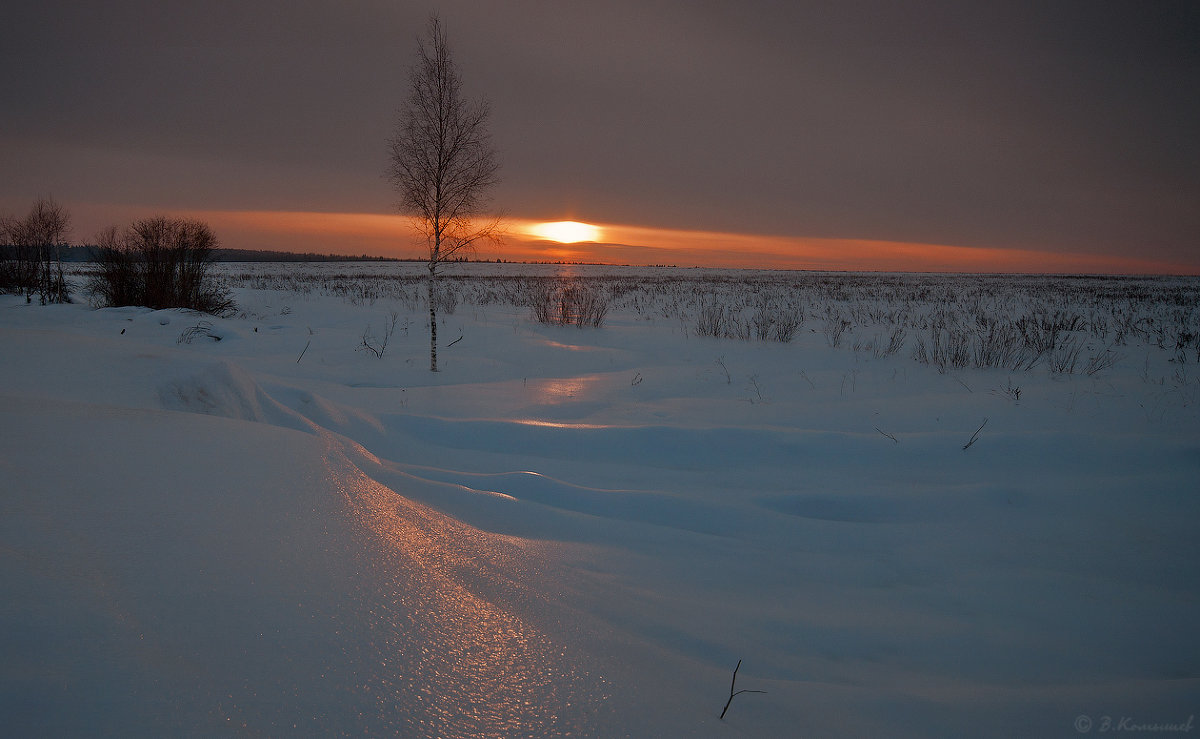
x: 566, y: 232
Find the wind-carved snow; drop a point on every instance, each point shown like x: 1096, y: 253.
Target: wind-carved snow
x: 466, y: 662
x: 276, y: 534
x: 446, y: 655
x: 229, y: 591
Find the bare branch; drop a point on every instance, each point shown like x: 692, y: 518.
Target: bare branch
x: 975, y: 436
x: 732, y: 693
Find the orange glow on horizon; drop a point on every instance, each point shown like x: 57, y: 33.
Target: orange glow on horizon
x: 646, y: 245
x: 529, y: 241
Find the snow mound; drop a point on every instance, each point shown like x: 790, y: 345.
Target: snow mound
x: 225, y: 389
x: 534, y: 505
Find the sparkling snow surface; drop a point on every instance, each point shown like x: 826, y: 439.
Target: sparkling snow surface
x: 580, y: 531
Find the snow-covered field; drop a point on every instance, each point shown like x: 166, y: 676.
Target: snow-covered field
x: 256, y: 526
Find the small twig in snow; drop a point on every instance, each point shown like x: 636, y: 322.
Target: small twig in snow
x: 302, y: 352
x: 975, y: 436
x: 721, y: 364
x: 732, y: 693
x: 203, y: 328
x: 757, y: 389
x: 893, y: 438
x: 452, y: 343
x: 378, y: 346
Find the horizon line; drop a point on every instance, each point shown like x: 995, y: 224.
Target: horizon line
x: 389, y: 236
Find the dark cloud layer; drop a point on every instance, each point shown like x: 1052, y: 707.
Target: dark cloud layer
x: 1064, y: 126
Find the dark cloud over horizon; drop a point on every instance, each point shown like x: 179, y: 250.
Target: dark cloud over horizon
x: 1059, y: 126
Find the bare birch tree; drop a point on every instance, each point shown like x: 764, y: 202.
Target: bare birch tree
x: 442, y: 163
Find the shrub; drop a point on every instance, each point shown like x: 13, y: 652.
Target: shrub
x: 999, y: 345
x: 946, y: 348
x: 835, y: 326
x: 32, y: 249
x: 567, y: 302
x: 1065, y: 356
x: 712, y: 320
x: 763, y: 319
x: 785, y: 326
x: 160, y: 263
x: 894, y: 344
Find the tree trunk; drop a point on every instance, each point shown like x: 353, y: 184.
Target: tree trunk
x: 432, y: 325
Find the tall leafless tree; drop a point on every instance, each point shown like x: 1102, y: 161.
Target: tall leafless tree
x: 442, y: 163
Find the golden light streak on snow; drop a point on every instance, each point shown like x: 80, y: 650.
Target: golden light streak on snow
x: 470, y: 664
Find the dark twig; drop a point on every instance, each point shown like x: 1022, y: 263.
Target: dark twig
x: 732, y: 693
x: 975, y: 436
x: 452, y: 343
x: 302, y: 352
x: 893, y: 438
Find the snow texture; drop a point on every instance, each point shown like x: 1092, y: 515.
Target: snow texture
x: 267, y: 531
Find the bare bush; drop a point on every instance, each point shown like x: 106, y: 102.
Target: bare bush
x: 1009, y: 390
x: 712, y: 320
x: 1102, y: 361
x: 567, y: 302
x: 762, y: 320
x: 945, y: 349
x: 998, y: 344
x: 835, y: 327
x: 772, y: 322
x: 377, y: 345
x: 785, y: 326
x: 32, y: 263
x: 11, y: 272
x: 159, y: 263
x: 201, y: 329
x: 894, y: 344
x: 445, y: 298
x: 1065, y: 356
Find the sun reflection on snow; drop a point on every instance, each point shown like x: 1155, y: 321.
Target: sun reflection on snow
x: 560, y: 424
x: 571, y: 347
x: 452, y: 658
x: 560, y: 390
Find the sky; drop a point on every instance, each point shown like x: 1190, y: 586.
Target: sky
x: 944, y: 136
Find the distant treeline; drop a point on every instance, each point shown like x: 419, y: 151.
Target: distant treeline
x: 88, y: 254
x: 263, y: 255
x: 78, y: 254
